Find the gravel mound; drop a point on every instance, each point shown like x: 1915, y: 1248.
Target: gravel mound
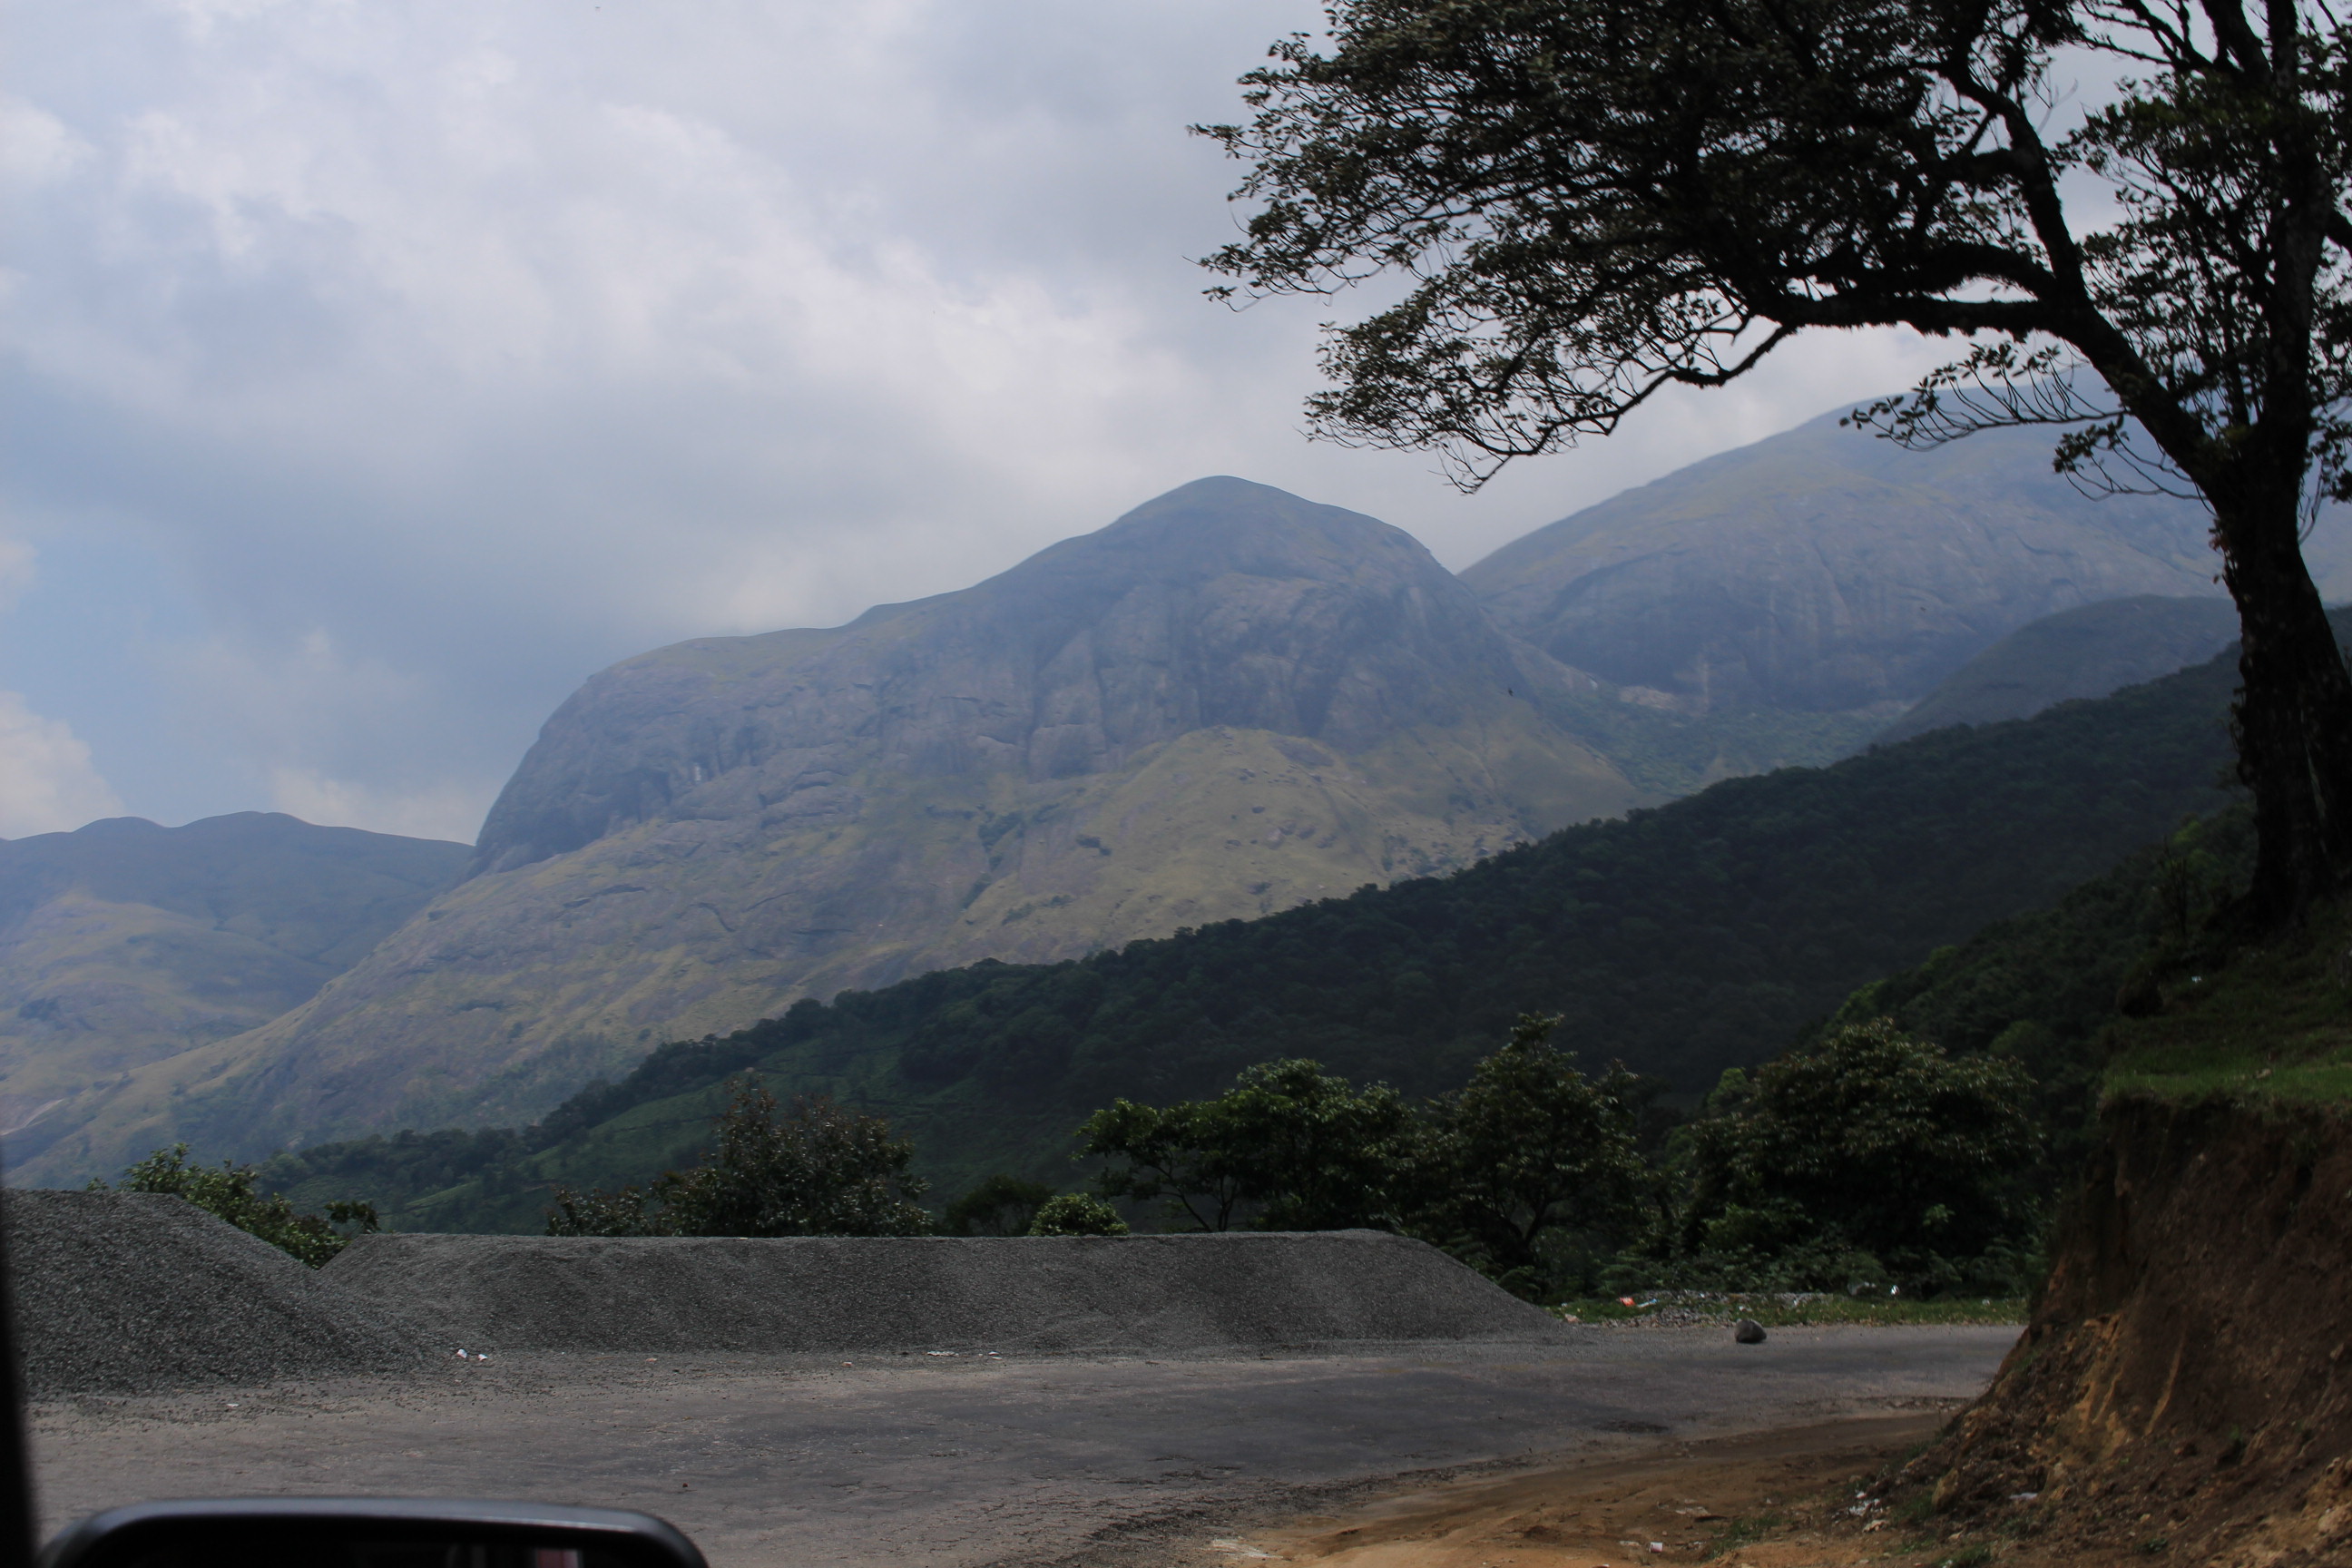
x: 144, y: 1293
x: 888, y: 1294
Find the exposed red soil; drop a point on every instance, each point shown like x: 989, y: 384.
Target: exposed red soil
x: 2182, y: 1392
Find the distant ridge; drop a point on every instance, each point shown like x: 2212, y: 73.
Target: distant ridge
x: 2084, y: 652
x: 1824, y: 570
x: 123, y: 943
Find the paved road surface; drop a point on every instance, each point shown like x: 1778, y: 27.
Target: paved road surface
x: 957, y: 1460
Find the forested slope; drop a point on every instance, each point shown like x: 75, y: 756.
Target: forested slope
x: 1703, y: 935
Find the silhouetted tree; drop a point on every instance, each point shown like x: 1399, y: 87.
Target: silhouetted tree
x: 1592, y: 200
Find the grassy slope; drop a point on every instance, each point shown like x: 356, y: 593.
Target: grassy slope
x: 2273, y: 1026
x: 2266, y: 1023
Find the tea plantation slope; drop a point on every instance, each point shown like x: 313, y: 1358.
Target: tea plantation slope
x: 1699, y: 935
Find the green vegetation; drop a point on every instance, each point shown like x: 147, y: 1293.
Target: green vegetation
x: 2270, y: 1021
x: 2141, y: 982
x: 1702, y: 935
x: 1001, y: 1205
x: 233, y: 1194
x: 1530, y: 1166
x: 1868, y: 1162
x: 816, y: 1171
x: 1870, y: 1157
x: 1076, y: 1214
x: 1303, y: 1150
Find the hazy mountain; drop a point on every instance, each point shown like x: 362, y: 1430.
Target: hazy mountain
x: 125, y: 943
x: 1824, y: 570
x: 1226, y: 703
x: 2084, y: 652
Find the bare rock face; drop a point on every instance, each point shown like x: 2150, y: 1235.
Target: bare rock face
x: 1222, y: 604
x: 1823, y: 570
x: 1229, y: 701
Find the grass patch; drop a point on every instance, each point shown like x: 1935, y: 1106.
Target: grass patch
x: 1784, y: 1311
x: 2272, y: 1024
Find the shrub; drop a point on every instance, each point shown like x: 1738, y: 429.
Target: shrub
x: 233, y: 1194
x: 1301, y: 1148
x: 1874, y: 1159
x: 1076, y: 1214
x: 1001, y: 1205
x: 817, y: 1170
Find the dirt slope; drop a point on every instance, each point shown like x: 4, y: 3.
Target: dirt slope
x: 2184, y: 1392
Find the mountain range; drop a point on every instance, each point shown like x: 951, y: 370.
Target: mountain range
x: 1700, y: 935
x: 1229, y: 703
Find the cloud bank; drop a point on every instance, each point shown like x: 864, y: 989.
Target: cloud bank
x: 377, y: 373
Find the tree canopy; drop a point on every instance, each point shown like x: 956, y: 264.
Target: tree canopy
x: 1592, y: 200
x: 1872, y: 1155
x: 817, y: 1170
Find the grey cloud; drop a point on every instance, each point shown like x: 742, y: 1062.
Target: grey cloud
x: 444, y: 352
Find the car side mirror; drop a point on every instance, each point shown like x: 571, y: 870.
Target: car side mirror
x: 368, y: 1532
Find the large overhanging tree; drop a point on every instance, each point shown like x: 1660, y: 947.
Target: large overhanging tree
x: 1594, y: 199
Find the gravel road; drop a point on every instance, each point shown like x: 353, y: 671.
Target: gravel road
x: 970, y: 1459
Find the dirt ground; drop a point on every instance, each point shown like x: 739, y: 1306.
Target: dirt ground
x: 1751, y: 1501
x: 983, y: 1460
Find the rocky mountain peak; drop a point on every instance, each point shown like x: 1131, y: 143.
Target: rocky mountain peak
x: 1221, y: 603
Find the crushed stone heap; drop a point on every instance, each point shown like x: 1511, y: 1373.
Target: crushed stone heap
x: 877, y: 1294
x: 145, y: 1293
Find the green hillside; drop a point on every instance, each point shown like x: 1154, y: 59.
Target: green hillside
x: 1697, y: 936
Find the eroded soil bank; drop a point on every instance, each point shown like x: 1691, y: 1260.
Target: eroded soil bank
x: 2182, y: 1390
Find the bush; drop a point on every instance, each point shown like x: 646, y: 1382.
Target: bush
x: 1001, y: 1205
x: 233, y: 1194
x: 1530, y: 1166
x: 1294, y: 1147
x: 818, y: 1170
x: 1076, y: 1214
x: 1874, y: 1159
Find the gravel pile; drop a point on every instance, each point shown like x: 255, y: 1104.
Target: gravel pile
x: 143, y: 1292
x: 890, y: 1294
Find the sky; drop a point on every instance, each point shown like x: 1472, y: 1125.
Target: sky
x: 375, y: 372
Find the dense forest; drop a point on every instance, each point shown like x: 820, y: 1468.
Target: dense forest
x: 1710, y: 933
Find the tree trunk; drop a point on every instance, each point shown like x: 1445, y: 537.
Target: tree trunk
x: 2292, y: 717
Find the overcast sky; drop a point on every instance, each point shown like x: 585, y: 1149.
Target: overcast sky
x: 376, y: 372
